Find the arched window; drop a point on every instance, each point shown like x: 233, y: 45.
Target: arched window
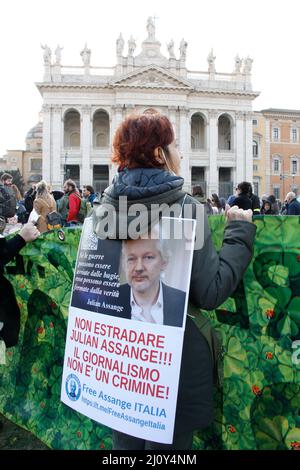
x: 101, y: 129
x: 75, y: 139
x: 72, y: 129
x: 224, y: 133
x: 198, y: 140
x: 255, y: 148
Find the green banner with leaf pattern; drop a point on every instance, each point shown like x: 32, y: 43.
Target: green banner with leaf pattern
x: 258, y: 406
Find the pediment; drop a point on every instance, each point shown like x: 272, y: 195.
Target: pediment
x: 152, y: 77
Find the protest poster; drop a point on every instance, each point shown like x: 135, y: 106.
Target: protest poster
x: 122, y: 361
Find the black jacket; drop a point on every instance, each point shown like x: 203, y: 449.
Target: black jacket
x: 9, y: 310
x: 293, y: 207
x: 214, y: 278
x: 242, y: 201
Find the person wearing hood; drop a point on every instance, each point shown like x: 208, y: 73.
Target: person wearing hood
x: 267, y: 207
x: 145, y: 150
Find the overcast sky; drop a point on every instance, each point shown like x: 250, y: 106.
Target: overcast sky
x: 267, y: 31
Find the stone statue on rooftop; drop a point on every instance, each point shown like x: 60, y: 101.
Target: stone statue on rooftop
x: 151, y: 29
x: 58, y: 54
x: 238, y: 64
x: 47, y: 54
x: 86, y: 55
x: 248, y: 65
x: 182, y: 49
x: 211, y: 61
x: 120, y: 45
x: 170, y: 47
x: 131, y: 46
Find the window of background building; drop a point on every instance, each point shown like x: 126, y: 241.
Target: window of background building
x: 294, y: 135
x: 255, y: 148
x: 255, y: 187
x: 276, y: 165
x: 36, y: 164
x: 275, y: 133
x: 276, y: 192
x: 294, y: 167
x: 255, y: 167
x: 254, y: 122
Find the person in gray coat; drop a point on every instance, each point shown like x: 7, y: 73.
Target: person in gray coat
x: 149, y: 165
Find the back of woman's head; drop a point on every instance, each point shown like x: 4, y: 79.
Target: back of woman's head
x: 137, y: 139
x: 216, y: 200
x: 42, y: 189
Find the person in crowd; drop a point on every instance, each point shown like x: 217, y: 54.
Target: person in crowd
x: 69, y: 205
x: 198, y: 194
x: 8, y: 202
x: 293, y: 206
x: 44, y: 203
x: 9, y: 310
x: 274, y: 204
x: 243, y: 200
x: 267, y: 208
x: 89, y: 194
x: 232, y: 197
x: 144, y: 148
x: 216, y: 205
x: 255, y: 201
x: 29, y: 198
x: 16, y: 190
x: 223, y: 204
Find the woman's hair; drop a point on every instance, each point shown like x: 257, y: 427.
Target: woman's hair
x: 42, y: 189
x: 137, y: 137
x: 216, y: 199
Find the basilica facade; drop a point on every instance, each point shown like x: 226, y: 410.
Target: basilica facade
x: 211, y: 113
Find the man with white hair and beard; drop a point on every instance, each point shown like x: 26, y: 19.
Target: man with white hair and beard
x: 145, y: 297
x: 293, y: 206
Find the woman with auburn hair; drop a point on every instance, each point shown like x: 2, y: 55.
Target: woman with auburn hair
x: 44, y: 203
x: 145, y: 150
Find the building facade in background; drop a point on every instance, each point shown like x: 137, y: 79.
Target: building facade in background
x: 282, y: 147
x: 211, y: 113
x: 29, y: 161
x: 259, y: 153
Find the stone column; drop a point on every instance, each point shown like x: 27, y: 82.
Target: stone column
x: 85, y: 144
x: 129, y: 109
x: 47, y: 143
x: 213, y: 182
x: 268, y: 158
x: 184, y: 145
x: 56, y: 147
x: 240, y: 146
x: 172, y: 116
x: 116, y: 119
x: 248, y: 146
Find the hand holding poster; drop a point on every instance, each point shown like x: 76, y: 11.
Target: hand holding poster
x: 124, y: 339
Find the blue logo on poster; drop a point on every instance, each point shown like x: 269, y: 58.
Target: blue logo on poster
x: 73, y: 387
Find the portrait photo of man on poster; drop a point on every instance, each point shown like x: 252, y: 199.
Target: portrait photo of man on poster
x: 145, y: 295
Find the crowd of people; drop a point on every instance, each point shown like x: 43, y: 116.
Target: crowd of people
x: 68, y: 207
x: 245, y: 199
x: 46, y: 208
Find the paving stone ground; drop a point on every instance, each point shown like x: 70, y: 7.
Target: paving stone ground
x: 12, y: 437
